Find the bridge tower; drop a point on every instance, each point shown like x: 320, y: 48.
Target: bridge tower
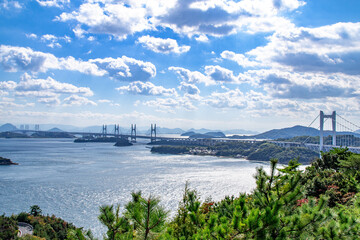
x: 104, y: 130
x: 37, y: 127
x: 333, y: 118
x: 133, y: 133
x: 117, y: 130
x: 153, y: 130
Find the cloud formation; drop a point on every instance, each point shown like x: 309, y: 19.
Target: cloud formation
x: 75, y: 100
x: 46, y: 90
x: 125, y: 68
x: 192, y: 77
x: 14, y: 59
x: 118, y: 20
x: 53, y: 3
x: 186, y: 17
x: 165, y: 46
x: 147, y: 88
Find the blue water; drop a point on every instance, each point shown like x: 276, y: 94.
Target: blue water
x: 71, y: 180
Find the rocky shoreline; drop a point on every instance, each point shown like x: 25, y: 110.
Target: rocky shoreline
x: 6, y: 161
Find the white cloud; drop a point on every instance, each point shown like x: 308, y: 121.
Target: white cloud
x: 239, y: 59
x: 29, y: 84
x: 202, y: 38
x: 15, y: 59
x: 147, y: 88
x: 8, y: 5
x: 53, y: 3
x: 91, y: 38
x: 31, y: 36
x: 220, y: 74
x: 9, y: 85
x: 190, y: 89
x: 192, y: 77
x: 79, y: 32
x: 77, y: 101
x: 52, y: 40
x: 328, y: 49
x: 125, y: 68
x: 118, y: 20
x: 50, y: 101
x: 164, y: 46
x: 191, y: 18
x: 46, y: 91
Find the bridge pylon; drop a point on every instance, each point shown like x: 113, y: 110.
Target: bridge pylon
x: 104, y: 130
x: 333, y: 118
x: 117, y: 130
x: 153, y: 133
x: 133, y: 133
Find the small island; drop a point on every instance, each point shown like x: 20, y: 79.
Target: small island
x: 123, y: 143
x: 6, y: 161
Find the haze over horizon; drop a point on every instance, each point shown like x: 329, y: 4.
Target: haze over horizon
x: 217, y: 64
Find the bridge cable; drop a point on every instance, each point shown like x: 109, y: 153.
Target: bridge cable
x: 309, y: 126
x: 348, y: 136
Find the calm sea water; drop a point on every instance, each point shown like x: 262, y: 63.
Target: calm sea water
x: 71, y: 180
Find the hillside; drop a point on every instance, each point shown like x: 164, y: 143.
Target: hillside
x: 283, y: 133
x: 8, y: 127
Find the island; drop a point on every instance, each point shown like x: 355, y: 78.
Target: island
x: 123, y: 143
x: 119, y: 142
x: 260, y: 151
x: 6, y: 161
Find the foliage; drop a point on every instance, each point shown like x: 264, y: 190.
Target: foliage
x: 117, y: 226
x: 35, y: 210
x: 147, y: 215
x: 8, y: 227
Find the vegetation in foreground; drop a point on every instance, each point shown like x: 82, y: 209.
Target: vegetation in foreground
x: 321, y: 202
x: 260, y: 151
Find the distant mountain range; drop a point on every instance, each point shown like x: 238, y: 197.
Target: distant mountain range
x: 291, y: 132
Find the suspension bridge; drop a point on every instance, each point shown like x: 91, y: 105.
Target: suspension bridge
x: 336, y: 133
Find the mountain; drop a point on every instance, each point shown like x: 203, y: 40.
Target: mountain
x: 288, y: 132
x: 55, y: 129
x: 205, y: 135
x: 202, y: 130
x: 188, y: 133
x: 232, y: 131
x: 8, y: 127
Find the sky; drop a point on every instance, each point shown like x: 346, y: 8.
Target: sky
x: 218, y: 64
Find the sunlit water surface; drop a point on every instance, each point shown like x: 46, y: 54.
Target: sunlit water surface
x: 71, y: 180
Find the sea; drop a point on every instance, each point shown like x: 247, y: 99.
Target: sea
x: 72, y: 180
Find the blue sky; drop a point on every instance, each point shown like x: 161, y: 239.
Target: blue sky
x: 250, y: 64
